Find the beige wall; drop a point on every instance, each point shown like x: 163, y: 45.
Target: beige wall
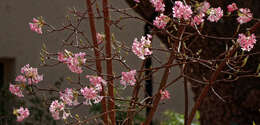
x: 23, y: 45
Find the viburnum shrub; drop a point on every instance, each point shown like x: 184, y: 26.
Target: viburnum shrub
x: 82, y: 56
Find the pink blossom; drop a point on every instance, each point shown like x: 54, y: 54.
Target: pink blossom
x: 100, y: 38
x: 164, y: 94
x: 61, y: 57
x: 141, y: 48
x: 16, y: 90
x: 181, y: 11
x: 204, y: 6
x: 21, y: 113
x: 128, y: 77
x: 161, y: 21
x: 31, y: 74
x: 232, y: 7
x: 198, y: 19
x: 137, y: 1
x: 90, y: 94
x: 215, y: 14
x: 36, y: 26
x: 246, y: 43
x: 68, y: 97
x: 96, y: 81
x: 20, y: 78
x: 158, y: 5
x: 73, y: 61
x: 55, y: 109
x: 245, y: 15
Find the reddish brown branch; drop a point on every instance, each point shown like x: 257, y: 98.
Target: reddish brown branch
x: 111, y: 105
x: 97, y: 55
x: 207, y: 87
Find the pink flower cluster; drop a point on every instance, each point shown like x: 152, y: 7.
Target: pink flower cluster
x: 56, y: 107
x: 181, y: 11
x: 141, y: 48
x: 100, y: 38
x: 158, y: 5
x: 198, y: 19
x: 73, y: 61
x: 203, y: 7
x: 21, y: 113
x: 16, y: 90
x: 128, y: 77
x: 245, y: 15
x: 36, y: 26
x: 96, y: 81
x: 215, y: 14
x: 164, y: 94
x: 232, y: 7
x: 68, y: 97
x: 246, y: 43
x: 137, y: 1
x: 161, y: 21
x: 29, y: 73
x: 91, y: 95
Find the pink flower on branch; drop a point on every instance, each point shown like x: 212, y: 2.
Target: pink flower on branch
x: 141, y: 48
x: 137, y: 1
x: 246, y: 42
x: 181, y: 11
x: 96, y: 81
x: 232, y: 7
x: 203, y: 7
x: 20, y: 78
x: 36, y: 25
x: 128, y: 78
x: 91, y: 95
x: 215, y: 14
x: 21, y: 113
x: 198, y: 19
x: 158, y: 5
x: 164, y: 94
x: 16, y: 90
x: 55, y: 109
x: 68, y: 97
x: 245, y: 15
x: 161, y: 21
x: 31, y: 74
x: 73, y: 61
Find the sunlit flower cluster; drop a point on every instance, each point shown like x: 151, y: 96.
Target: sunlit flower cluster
x: 96, y: 81
x: 16, y: 90
x: 246, y: 42
x: 245, y: 15
x: 68, y: 97
x: 36, y: 26
x: 181, y: 11
x: 73, y: 61
x: 21, y: 113
x: 215, y: 14
x: 56, y: 107
x: 128, y: 78
x: 91, y: 95
x: 29, y: 73
x: 161, y: 21
x: 158, y: 5
x: 142, y: 48
x: 232, y: 7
